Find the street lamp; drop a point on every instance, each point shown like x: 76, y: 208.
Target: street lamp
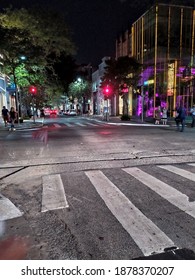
x: 80, y: 82
x: 18, y: 97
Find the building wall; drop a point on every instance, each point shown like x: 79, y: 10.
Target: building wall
x: 3, y: 95
x: 99, y: 104
x: 162, y: 39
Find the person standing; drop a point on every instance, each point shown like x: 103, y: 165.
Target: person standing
x: 157, y: 115
x: 164, y: 116
x: 13, y: 116
x: 192, y: 111
x: 42, y: 115
x: 5, y: 115
x: 181, y: 118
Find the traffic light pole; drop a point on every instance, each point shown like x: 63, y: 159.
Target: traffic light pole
x: 107, y: 113
x: 17, y: 106
x: 33, y: 107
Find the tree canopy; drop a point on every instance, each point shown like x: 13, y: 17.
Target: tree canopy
x: 41, y: 38
x: 124, y: 70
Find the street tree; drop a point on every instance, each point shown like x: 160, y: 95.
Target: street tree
x: 81, y: 90
x: 41, y: 42
x: 123, y: 71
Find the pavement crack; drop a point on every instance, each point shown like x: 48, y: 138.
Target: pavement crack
x: 16, y: 171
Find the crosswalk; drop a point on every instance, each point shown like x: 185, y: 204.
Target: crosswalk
x: 154, y: 206
x: 77, y: 124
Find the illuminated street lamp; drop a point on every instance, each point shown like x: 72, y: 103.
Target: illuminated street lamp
x: 17, y: 96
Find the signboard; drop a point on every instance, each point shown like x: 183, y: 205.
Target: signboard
x: 170, y: 80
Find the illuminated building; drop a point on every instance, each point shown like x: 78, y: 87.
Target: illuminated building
x: 162, y: 39
x: 99, y: 104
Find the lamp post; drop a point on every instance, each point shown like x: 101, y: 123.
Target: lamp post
x: 17, y: 63
x: 16, y: 96
x: 22, y: 59
x: 80, y: 84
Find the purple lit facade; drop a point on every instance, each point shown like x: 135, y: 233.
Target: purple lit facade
x: 163, y: 40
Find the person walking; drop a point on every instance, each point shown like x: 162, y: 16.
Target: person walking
x: 5, y: 115
x: 13, y: 116
x: 42, y: 115
x: 181, y: 118
x: 164, y: 116
x: 192, y: 111
x: 158, y: 115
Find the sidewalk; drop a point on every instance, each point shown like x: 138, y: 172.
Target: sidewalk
x: 27, y: 124
x: 136, y: 120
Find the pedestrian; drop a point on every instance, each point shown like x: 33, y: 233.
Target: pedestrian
x: 5, y: 115
x: 13, y: 117
x: 38, y: 113
x: 42, y: 115
x: 180, y: 118
x: 192, y: 111
x: 157, y: 115
x: 164, y: 116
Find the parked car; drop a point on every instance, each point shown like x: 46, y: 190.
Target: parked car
x: 66, y: 112
x: 53, y: 112
x: 50, y: 112
x: 72, y: 113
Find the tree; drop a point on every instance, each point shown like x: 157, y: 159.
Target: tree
x: 124, y: 70
x: 41, y: 42
x: 80, y: 89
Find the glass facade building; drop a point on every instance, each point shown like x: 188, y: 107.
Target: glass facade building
x: 162, y: 39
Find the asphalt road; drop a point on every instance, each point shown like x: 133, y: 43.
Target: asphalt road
x: 85, y: 189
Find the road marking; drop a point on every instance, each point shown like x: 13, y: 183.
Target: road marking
x: 93, y: 124
x: 8, y: 210
x: 139, y: 124
x: 53, y: 196
x: 145, y: 233
x: 68, y: 124
x: 28, y: 129
x: 57, y: 125
x: 80, y: 124
x: 186, y: 174
x: 175, y: 197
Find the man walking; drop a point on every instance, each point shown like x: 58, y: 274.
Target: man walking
x: 192, y: 111
x: 13, y: 116
x: 5, y: 115
x: 181, y: 118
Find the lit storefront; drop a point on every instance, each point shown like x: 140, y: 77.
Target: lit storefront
x: 162, y: 40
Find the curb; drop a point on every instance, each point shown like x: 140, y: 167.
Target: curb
x: 3, y: 128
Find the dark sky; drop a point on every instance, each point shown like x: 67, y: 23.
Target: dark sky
x: 94, y: 23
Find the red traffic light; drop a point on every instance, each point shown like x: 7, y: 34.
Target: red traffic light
x: 107, y: 91
x: 32, y: 89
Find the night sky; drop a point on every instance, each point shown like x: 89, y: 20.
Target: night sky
x: 95, y: 24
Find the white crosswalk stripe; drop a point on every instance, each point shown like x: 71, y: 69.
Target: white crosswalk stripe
x: 8, y: 210
x: 57, y: 125
x: 53, y: 193
x: 175, y: 197
x: 69, y: 125
x: 80, y: 124
x: 75, y: 124
x: 145, y: 233
x: 92, y: 124
x: 179, y: 171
